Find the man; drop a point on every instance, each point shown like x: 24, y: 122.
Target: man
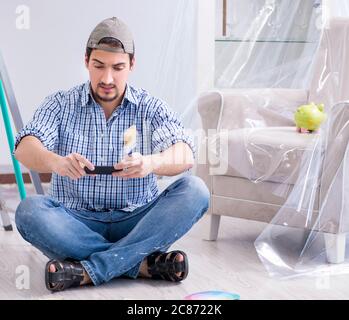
x: 98, y: 227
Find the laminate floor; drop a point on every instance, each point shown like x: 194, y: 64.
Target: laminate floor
x: 229, y: 264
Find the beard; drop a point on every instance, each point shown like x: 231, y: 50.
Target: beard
x: 106, y: 97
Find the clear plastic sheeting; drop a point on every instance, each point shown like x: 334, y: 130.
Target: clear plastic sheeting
x: 308, y: 234
x: 265, y: 40
x: 256, y: 138
x: 256, y: 162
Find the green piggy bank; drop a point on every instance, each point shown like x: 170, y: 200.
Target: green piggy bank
x: 309, y: 117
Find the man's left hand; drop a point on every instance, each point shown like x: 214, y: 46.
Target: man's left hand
x: 134, y: 166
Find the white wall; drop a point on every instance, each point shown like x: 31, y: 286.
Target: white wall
x: 49, y: 55
x: 336, y: 8
x: 205, y: 44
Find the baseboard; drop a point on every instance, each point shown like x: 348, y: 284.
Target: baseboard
x: 7, y: 175
x: 9, y: 178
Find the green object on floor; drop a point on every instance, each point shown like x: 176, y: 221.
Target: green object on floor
x: 11, y: 142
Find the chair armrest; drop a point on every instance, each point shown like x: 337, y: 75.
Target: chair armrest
x: 336, y: 146
x: 209, y: 108
x: 270, y: 107
x: 241, y: 108
x: 333, y: 180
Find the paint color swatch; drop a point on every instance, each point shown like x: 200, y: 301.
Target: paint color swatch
x: 213, y: 295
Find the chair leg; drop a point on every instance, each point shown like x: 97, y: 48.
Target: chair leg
x: 214, y: 226
x: 335, y: 247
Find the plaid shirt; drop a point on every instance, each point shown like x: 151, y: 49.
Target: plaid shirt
x: 71, y: 121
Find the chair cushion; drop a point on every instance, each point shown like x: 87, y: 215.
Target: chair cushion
x: 260, y: 154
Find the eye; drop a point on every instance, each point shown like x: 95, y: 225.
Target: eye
x: 98, y: 67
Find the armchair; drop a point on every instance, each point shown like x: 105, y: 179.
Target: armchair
x: 242, y: 190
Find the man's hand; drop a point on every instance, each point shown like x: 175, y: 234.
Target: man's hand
x: 134, y: 166
x: 174, y: 160
x: 71, y: 166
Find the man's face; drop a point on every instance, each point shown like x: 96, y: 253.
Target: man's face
x: 109, y: 72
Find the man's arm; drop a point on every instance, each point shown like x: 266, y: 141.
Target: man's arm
x: 171, y: 147
x: 33, y: 155
x: 36, y: 140
x: 174, y: 160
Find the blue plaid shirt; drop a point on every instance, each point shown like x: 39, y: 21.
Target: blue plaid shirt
x: 71, y: 121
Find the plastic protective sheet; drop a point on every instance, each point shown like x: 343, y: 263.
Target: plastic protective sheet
x: 265, y: 40
x: 252, y: 156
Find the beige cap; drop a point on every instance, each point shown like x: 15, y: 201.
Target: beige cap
x: 112, y: 28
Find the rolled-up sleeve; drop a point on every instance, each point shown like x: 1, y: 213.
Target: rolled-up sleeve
x: 167, y: 130
x: 44, y: 125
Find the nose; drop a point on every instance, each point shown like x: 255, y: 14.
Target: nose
x: 107, y: 77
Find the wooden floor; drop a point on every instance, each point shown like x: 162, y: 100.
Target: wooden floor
x: 229, y: 264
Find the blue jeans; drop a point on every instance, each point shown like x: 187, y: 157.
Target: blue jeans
x: 113, y: 243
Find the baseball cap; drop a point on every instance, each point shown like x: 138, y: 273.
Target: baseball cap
x: 111, y: 28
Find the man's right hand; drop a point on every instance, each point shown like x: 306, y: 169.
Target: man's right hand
x: 71, y: 166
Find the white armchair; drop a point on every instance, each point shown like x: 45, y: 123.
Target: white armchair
x: 233, y: 193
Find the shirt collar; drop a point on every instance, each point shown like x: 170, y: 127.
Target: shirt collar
x: 87, y: 97
x: 129, y: 95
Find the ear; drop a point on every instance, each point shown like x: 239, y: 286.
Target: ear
x: 132, y: 65
x: 86, y: 61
